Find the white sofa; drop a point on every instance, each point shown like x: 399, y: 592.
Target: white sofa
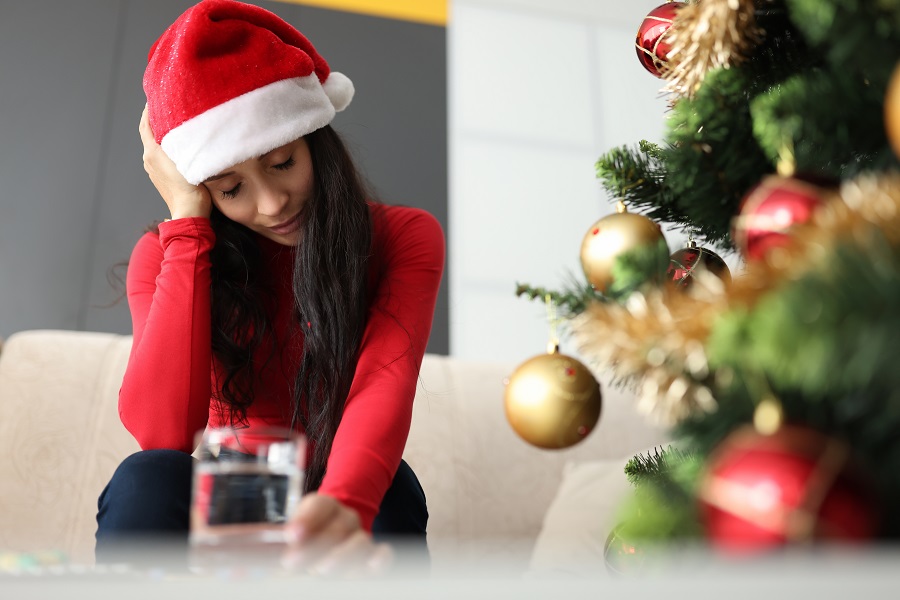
x: 492, y: 498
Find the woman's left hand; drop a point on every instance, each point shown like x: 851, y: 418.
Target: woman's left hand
x: 326, y: 537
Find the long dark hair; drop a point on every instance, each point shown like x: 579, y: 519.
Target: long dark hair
x: 329, y: 288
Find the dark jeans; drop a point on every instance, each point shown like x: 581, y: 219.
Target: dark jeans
x: 146, y: 505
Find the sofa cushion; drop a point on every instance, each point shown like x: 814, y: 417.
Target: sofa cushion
x: 488, y: 490
x: 580, y: 519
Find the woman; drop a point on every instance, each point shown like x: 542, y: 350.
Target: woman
x: 275, y: 293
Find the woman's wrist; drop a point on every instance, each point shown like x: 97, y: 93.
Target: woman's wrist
x: 187, y: 215
x: 189, y: 211
x: 187, y: 204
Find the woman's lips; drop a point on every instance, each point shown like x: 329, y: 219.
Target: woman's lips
x: 287, y: 227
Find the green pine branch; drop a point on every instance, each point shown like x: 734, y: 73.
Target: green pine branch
x: 637, y: 177
x: 663, y: 506
x: 712, y: 159
x: 569, y: 301
x: 657, y: 467
x: 853, y: 36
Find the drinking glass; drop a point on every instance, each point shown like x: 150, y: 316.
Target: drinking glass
x: 246, y: 485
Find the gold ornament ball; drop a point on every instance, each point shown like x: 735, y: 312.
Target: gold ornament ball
x: 552, y: 401
x: 892, y: 111
x: 611, y: 237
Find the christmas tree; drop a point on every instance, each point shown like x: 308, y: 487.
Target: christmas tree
x: 780, y: 382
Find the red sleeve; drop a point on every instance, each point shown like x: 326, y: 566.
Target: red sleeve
x: 372, y: 435
x: 164, y: 399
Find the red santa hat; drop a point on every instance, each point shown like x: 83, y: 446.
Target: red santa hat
x: 230, y: 81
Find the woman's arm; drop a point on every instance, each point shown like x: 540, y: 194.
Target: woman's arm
x: 164, y: 398
x: 373, y: 431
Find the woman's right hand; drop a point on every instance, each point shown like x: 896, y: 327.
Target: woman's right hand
x: 182, y: 198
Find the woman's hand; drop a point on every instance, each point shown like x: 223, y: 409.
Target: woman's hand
x: 182, y: 198
x: 325, y: 537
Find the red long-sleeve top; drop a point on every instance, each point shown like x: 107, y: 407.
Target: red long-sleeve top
x: 169, y: 390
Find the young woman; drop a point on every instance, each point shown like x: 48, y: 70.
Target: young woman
x: 277, y: 293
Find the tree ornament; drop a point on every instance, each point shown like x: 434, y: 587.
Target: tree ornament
x: 796, y: 485
x: 622, y: 556
x: 892, y: 111
x: 652, y: 43
x: 552, y: 401
x: 770, y: 209
x: 623, y: 235
x: 690, y: 261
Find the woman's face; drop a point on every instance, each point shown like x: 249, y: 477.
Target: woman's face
x: 267, y: 194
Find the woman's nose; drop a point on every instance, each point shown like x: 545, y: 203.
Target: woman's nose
x: 272, y: 201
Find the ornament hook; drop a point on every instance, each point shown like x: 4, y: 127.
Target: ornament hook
x: 553, y: 320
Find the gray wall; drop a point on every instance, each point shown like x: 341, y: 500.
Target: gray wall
x: 73, y: 194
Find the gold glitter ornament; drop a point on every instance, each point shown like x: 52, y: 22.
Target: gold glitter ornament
x: 552, y: 401
x: 706, y: 36
x: 610, y: 238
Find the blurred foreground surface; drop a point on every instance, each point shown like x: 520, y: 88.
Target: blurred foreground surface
x: 683, y: 573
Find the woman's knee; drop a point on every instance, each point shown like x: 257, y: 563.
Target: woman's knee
x: 403, y: 510
x: 150, y: 490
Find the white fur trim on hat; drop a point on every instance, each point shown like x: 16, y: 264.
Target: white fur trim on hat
x: 248, y: 126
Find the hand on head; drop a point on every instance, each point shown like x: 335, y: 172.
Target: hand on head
x: 182, y: 198
x: 326, y: 537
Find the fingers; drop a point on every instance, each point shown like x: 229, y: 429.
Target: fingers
x: 148, y: 141
x: 182, y: 198
x: 326, y: 537
x: 353, y: 556
x: 356, y: 556
x: 320, y: 523
x: 318, y: 515
x: 144, y: 128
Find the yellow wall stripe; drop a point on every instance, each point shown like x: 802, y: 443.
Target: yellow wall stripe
x: 432, y: 12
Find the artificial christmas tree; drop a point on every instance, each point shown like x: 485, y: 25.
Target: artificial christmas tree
x: 778, y: 145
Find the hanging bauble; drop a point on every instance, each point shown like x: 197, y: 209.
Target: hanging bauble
x: 651, y: 41
x: 615, y: 236
x: 621, y: 555
x: 691, y: 261
x: 552, y: 401
x: 796, y: 485
x: 770, y: 209
x: 892, y: 111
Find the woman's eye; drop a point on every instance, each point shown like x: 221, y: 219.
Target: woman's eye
x: 285, y: 165
x: 232, y: 192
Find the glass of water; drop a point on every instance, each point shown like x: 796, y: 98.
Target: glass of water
x: 247, y: 483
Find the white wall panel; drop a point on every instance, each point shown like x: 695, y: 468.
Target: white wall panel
x: 521, y: 76
x: 524, y: 212
x: 628, y: 103
x: 522, y: 183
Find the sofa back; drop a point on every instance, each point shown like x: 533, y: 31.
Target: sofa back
x: 487, y: 490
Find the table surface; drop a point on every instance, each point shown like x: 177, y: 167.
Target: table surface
x: 813, y: 574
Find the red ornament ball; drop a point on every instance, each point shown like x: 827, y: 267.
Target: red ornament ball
x: 650, y: 42
x: 688, y: 262
x: 797, y: 485
x: 770, y: 209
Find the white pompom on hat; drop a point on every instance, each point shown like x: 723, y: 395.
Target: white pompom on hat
x: 229, y: 81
